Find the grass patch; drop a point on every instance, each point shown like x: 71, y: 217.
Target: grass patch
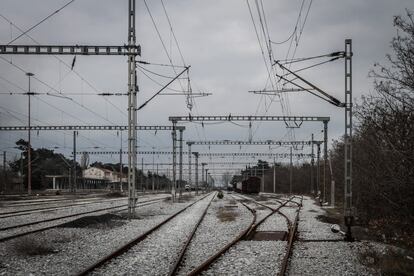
x: 226, y: 214
x: 390, y: 262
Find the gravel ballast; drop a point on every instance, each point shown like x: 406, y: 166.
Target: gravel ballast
x: 328, y: 258
x: 221, y: 225
x: 156, y: 254
x: 250, y: 258
x: 69, y: 250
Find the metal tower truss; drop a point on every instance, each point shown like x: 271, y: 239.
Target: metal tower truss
x: 266, y: 142
x: 85, y: 127
x: 70, y: 50
x: 131, y: 50
x: 248, y: 118
x: 226, y: 154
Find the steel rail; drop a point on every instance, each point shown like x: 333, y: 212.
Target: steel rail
x: 198, y: 270
x: 292, y: 236
x: 142, y: 204
x: 124, y: 248
x: 213, y: 258
x: 43, y: 209
x: 72, y: 215
x: 176, y: 265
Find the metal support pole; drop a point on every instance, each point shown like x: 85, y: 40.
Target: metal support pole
x: 312, y: 185
x: 325, y: 156
x: 318, y: 171
x: 158, y: 179
x: 153, y: 169
x: 142, y: 175
x: 196, y: 171
x: 290, y: 172
x: 263, y: 180
x: 189, y: 163
x: 202, y: 173
x: 132, y: 110
x: 120, y: 166
x: 348, y: 212
x: 73, y: 187
x: 207, y: 185
x: 4, y: 187
x: 174, y: 161
x: 29, y: 151
x: 274, y: 176
x: 180, y: 175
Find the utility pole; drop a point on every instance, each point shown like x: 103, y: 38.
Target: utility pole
x: 318, y: 171
x: 290, y: 172
x: 4, y: 172
x: 196, y: 171
x: 180, y: 175
x: 312, y: 168
x: 132, y: 109
x: 174, y: 138
x: 120, y: 166
x: 325, y: 156
x: 73, y: 188
x: 202, y: 173
x: 158, y: 179
x: 29, y: 151
x: 207, y: 185
x: 153, y: 169
x: 274, y: 175
x: 263, y: 179
x: 349, y: 216
x: 189, y: 162
x: 142, y: 174
x: 332, y: 181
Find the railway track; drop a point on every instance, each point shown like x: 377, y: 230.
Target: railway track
x: 248, y: 232
x: 135, y: 242
x: 54, y: 208
x: 292, y: 236
x: 119, y: 208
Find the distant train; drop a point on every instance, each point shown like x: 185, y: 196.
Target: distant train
x: 249, y: 186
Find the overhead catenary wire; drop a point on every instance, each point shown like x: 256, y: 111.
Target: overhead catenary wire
x: 41, y: 21
x: 64, y: 63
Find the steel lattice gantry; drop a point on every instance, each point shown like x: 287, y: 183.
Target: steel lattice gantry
x: 228, y: 154
x: 239, y: 143
x: 248, y: 118
x: 70, y: 50
x: 298, y: 120
x: 131, y: 50
x: 266, y: 142
x: 86, y: 127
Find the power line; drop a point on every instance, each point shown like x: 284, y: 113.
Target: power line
x: 41, y: 21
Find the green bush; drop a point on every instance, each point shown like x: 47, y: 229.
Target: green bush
x: 220, y: 195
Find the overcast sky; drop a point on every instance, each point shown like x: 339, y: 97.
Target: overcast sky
x: 218, y: 40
